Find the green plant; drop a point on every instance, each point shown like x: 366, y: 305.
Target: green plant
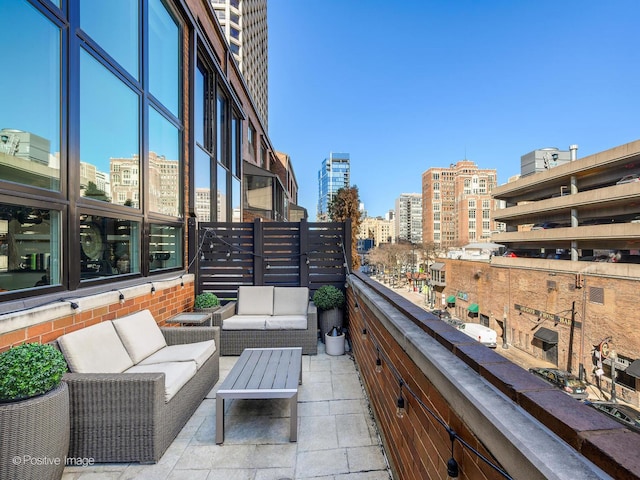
x: 206, y: 300
x: 328, y: 297
x: 29, y: 370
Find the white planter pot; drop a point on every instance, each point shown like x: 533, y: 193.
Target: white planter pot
x: 334, y: 345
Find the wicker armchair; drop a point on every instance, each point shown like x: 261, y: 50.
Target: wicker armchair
x: 123, y: 417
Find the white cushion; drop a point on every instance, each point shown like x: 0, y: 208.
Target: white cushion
x: 287, y: 322
x: 290, y: 300
x: 198, y: 352
x: 255, y: 300
x: 245, y: 322
x: 140, y: 335
x: 95, y: 349
x: 176, y: 374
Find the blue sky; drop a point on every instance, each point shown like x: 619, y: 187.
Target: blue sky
x: 406, y: 86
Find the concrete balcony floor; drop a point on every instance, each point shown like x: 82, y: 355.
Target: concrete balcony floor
x: 337, y: 437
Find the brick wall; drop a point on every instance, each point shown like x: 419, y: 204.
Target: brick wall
x: 48, y: 322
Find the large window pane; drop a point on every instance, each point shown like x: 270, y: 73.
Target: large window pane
x: 203, y: 185
x: 236, y: 196
x: 30, y: 106
x: 164, y: 58
x: 109, y: 139
x: 221, y: 129
x: 235, y: 145
x: 165, y: 247
x: 29, y: 247
x: 164, y: 184
x: 108, y: 246
x: 118, y: 36
x: 222, y: 194
x: 198, y: 106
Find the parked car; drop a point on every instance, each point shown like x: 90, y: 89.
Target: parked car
x: 634, y: 177
x: 628, y: 416
x: 567, y: 382
x: 441, y: 314
x: 546, y: 225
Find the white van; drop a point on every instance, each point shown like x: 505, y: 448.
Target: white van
x: 482, y: 334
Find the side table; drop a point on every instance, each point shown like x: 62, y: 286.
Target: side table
x: 192, y: 318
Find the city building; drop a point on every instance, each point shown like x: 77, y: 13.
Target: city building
x: 244, y: 23
x: 378, y: 229
x: 334, y: 174
x: 457, y: 205
x: 408, y: 218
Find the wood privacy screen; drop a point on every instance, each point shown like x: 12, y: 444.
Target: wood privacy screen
x: 271, y: 253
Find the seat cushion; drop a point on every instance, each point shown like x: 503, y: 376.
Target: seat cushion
x: 95, y: 349
x: 176, y: 374
x: 287, y: 322
x: 254, y: 300
x: 198, y: 352
x: 245, y: 322
x: 140, y: 335
x: 290, y: 300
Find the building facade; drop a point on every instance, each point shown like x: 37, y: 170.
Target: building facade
x: 408, y: 218
x: 378, y: 229
x: 457, y: 205
x: 334, y: 174
x: 244, y: 23
x: 113, y: 154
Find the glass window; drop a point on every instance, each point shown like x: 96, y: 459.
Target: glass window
x: 222, y: 195
x: 203, y: 185
x: 108, y: 247
x: 164, y: 185
x: 198, y: 106
x: 236, y: 194
x: 235, y: 145
x: 164, y: 56
x: 165, y: 247
x: 109, y: 140
x: 119, y: 36
x: 30, y: 251
x: 221, y: 128
x: 30, y: 108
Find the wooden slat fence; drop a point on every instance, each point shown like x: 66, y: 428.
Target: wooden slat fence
x: 271, y: 253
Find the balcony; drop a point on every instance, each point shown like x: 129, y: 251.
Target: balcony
x: 461, y: 401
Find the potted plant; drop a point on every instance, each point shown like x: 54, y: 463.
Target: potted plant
x: 329, y: 300
x: 34, y: 412
x: 206, y: 302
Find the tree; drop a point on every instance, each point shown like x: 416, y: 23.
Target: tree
x: 346, y: 204
x: 93, y: 191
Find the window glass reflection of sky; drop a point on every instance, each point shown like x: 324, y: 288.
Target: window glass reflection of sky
x: 119, y: 35
x: 108, y: 116
x: 164, y: 60
x: 30, y: 102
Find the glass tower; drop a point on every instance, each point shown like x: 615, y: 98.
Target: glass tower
x: 334, y: 175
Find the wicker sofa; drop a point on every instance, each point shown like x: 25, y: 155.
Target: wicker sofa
x: 268, y: 317
x: 133, y: 385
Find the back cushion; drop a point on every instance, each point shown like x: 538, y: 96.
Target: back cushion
x: 140, y: 335
x: 95, y: 349
x: 290, y: 300
x: 255, y: 300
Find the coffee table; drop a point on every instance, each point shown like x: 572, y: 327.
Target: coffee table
x: 263, y: 373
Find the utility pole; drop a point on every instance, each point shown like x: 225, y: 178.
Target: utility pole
x: 571, y: 332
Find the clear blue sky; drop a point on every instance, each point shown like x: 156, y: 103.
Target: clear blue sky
x: 406, y: 86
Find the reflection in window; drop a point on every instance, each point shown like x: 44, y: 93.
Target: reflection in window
x: 119, y: 36
x: 258, y: 194
x: 221, y: 128
x: 164, y: 58
x: 236, y: 195
x: 109, y: 142
x: 164, y: 166
x: 30, y: 108
x: 222, y: 195
x: 203, y: 185
x: 198, y: 104
x: 29, y: 247
x: 108, y: 247
x: 235, y: 145
x: 165, y: 247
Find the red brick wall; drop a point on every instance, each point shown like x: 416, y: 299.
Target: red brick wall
x: 165, y: 303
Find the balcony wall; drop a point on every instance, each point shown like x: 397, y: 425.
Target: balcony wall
x: 498, y: 411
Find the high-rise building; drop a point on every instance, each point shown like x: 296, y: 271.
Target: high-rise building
x: 334, y: 175
x: 408, y: 218
x: 245, y: 27
x: 378, y: 229
x: 457, y: 205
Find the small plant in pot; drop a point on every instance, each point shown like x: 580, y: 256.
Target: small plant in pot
x: 206, y: 302
x: 34, y: 410
x: 329, y: 300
